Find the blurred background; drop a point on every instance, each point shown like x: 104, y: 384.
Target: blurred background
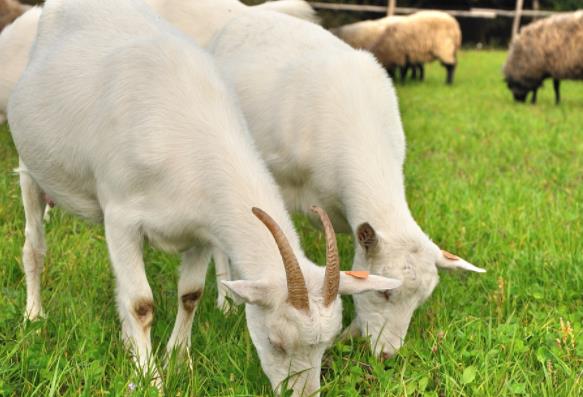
x: 490, y: 32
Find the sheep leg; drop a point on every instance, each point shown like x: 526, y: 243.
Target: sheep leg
x: 135, y: 302
x: 404, y: 70
x: 533, y: 98
x: 33, y: 252
x: 223, y: 272
x: 190, y: 287
x: 450, y: 72
x: 557, y: 87
x: 414, y: 72
x: 2, y: 118
x: 421, y: 72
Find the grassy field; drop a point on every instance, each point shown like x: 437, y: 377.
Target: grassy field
x: 498, y: 183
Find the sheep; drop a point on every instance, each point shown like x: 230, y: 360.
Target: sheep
x: 15, y: 44
x: 122, y: 120
x: 418, y: 39
x: 364, y: 34
x: 551, y: 47
x: 325, y: 118
x: 9, y: 11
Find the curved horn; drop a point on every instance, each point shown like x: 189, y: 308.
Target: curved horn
x: 296, y: 285
x: 332, y: 276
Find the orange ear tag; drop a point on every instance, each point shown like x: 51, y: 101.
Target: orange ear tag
x: 360, y: 274
x: 450, y: 256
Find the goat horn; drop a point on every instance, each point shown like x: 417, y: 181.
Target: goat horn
x: 296, y: 285
x: 332, y: 275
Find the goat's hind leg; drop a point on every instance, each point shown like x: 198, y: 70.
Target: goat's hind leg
x: 190, y: 288
x: 33, y: 252
x: 135, y: 302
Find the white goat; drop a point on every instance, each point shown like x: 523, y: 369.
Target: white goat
x: 200, y: 19
x: 121, y: 120
x: 326, y: 120
x: 16, y: 40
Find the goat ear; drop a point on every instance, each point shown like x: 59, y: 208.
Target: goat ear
x: 350, y: 285
x: 252, y: 292
x: 447, y: 260
x: 367, y: 236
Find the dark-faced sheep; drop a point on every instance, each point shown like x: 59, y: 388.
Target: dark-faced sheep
x: 418, y: 39
x: 9, y: 11
x: 551, y: 47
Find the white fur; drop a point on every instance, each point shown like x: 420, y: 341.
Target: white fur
x: 326, y: 120
x: 15, y: 43
x: 210, y: 15
x: 121, y: 120
x: 202, y: 19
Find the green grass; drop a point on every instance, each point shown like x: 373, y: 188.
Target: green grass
x: 496, y: 182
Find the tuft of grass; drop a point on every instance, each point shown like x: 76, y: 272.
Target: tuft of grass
x: 496, y: 182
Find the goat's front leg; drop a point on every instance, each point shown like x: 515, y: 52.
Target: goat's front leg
x: 135, y: 303
x: 223, y: 272
x: 190, y: 287
x: 33, y: 252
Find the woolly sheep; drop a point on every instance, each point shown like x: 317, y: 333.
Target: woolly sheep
x: 418, y: 39
x: 9, y: 11
x: 326, y: 120
x: 153, y: 145
x: 548, y: 48
x: 364, y: 34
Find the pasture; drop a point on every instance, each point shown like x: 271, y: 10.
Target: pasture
x: 499, y: 183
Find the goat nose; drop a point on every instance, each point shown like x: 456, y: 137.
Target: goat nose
x: 386, y: 355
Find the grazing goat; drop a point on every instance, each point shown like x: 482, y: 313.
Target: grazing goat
x: 326, y: 120
x: 122, y: 120
x: 16, y: 41
x: 551, y: 47
x: 213, y: 14
x: 9, y: 11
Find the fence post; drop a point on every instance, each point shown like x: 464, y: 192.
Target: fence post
x: 536, y: 7
x: 391, y: 7
x: 516, y: 23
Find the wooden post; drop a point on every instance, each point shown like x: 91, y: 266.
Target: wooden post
x: 391, y: 7
x: 536, y: 7
x: 517, y: 14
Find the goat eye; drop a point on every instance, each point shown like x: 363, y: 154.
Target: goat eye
x: 385, y: 294
x: 277, y: 346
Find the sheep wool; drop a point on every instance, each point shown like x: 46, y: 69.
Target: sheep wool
x: 420, y: 38
x: 364, y: 34
x: 551, y: 47
x: 9, y: 11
